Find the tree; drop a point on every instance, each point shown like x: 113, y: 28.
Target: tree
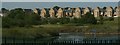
x: 63, y: 20
x: 88, y: 18
x: 6, y: 22
x: 101, y: 19
x: 17, y: 13
x: 17, y: 17
x: 52, y: 20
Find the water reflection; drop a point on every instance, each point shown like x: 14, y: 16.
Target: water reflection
x: 80, y: 37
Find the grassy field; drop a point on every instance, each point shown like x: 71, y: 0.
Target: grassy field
x: 50, y: 30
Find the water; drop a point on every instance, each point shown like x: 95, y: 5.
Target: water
x: 81, y: 38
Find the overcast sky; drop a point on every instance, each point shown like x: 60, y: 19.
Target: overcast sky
x: 60, y: 0
x: 64, y: 3
x: 31, y: 5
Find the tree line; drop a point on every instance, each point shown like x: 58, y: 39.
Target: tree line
x: 17, y: 17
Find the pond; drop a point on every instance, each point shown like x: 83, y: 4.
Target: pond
x: 77, y: 37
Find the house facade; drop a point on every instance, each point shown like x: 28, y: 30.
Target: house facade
x: 96, y: 12
x: 77, y: 13
x: 52, y: 13
x: 59, y: 13
x: 43, y: 13
x: 86, y: 10
x: 109, y: 12
x: 117, y: 12
x: 36, y: 11
x: 69, y: 12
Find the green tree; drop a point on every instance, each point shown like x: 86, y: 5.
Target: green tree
x: 17, y: 17
x: 101, y: 19
x: 63, y: 20
x: 88, y: 18
x: 6, y: 22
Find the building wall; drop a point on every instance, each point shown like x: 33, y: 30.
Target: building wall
x: 109, y: 12
x: 96, y: 12
x: 77, y: 13
x: 118, y: 11
x: 52, y: 13
x: 86, y: 10
x: 59, y: 13
x: 43, y: 13
x: 35, y: 11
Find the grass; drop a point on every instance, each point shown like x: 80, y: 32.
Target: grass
x: 107, y: 27
x: 50, y: 30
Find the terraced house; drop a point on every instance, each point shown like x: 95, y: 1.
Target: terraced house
x: 69, y: 12
x: 52, y: 13
x: 43, y: 13
x: 86, y: 10
x: 77, y: 13
x: 96, y: 12
x: 59, y: 13
x: 117, y: 12
x: 37, y: 11
x: 109, y: 12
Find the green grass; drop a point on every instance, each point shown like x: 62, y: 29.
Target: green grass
x: 107, y: 26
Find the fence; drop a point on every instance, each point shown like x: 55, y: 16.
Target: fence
x: 56, y: 42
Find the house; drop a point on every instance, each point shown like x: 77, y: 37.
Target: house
x: 55, y: 8
x: 68, y: 12
x: 117, y: 12
x: 43, y: 13
x: 86, y: 10
x: 109, y: 12
x: 96, y: 12
x: 77, y: 13
x: 36, y: 11
x: 59, y: 13
x: 82, y: 11
x: 52, y: 13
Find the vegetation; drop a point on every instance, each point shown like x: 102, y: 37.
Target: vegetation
x: 17, y: 17
x: 50, y: 30
x: 19, y: 24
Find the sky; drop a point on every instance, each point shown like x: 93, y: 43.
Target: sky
x: 32, y: 5
x: 60, y: 0
x: 11, y: 4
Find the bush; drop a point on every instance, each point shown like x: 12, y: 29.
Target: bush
x: 64, y: 20
x: 52, y: 20
x: 111, y: 18
x: 6, y: 23
x: 17, y: 17
x: 89, y: 18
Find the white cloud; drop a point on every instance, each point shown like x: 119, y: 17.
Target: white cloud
x: 60, y: 0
